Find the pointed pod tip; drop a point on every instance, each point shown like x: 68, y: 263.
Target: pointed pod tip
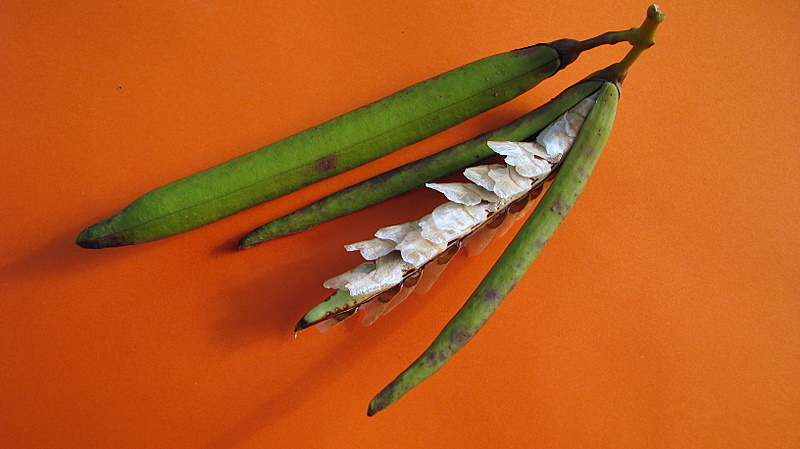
x: 373, y: 409
x: 245, y: 245
x: 264, y: 233
x: 94, y: 237
x: 84, y: 242
x: 302, y: 324
x: 108, y: 233
x: 250, y: 240
x: 386, y: 397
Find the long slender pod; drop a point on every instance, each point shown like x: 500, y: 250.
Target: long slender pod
x: 534, y: 234
x: 417, y: 173
x: 519, y: 255
x: 335, y: 146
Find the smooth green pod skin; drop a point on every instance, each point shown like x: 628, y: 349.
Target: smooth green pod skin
x: 415, y: 174
x: 330, y: 148
x: 520, y: 254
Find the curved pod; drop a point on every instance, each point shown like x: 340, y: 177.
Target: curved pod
x: 520, y: 254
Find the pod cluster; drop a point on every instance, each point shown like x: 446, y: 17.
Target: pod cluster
x: 567, y: 134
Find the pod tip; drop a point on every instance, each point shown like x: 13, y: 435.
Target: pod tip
x: 302, y: 324
x: 245, y: 244
x: 98, y: 236
x: 274, y: 229
x: 373, y: 408
x: 250, y: 240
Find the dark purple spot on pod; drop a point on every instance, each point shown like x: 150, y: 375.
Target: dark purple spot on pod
x: 460, y: 337
x: 435, y: 358
x: 326, y: 163
x: 491, y: 296
x: 560, y: 207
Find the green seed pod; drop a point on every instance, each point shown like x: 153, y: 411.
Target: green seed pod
x: 340, y: 144
x: 417, y: 173
x: 520, y: 254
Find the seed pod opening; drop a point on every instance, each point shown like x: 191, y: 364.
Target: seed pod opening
x: 402, y: 250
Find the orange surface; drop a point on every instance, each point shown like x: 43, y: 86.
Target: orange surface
x: 664, y: 313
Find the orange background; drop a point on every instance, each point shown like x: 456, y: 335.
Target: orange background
x: 664, y: 312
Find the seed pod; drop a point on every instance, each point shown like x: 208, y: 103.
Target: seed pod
x: 519, y: 255
x: 340, y: 144
x: 423, y: 247
x: 415, y: 174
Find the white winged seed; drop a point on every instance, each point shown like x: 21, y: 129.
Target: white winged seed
x: 417, y: 250
x: 451, y: 221
x: 480, y: 175
x: 523, y: 152
x: 508, y: 183
x: 396, y: 233
x: 373, y: 248
x: 389, y: 271
x: 464, y: 193
x: 347, y: 277
x: 528, y: 158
